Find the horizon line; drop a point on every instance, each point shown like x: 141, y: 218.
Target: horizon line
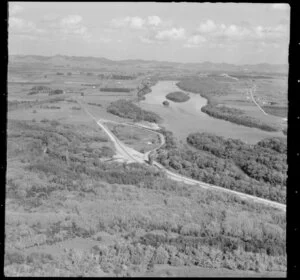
x: 148, y: 60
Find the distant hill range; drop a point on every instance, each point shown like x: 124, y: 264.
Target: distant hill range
x: 94, y: 62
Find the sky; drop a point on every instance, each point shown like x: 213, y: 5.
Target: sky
x: 244, y: 33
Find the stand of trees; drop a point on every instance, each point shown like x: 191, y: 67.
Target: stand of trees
x: 257, y: 170
x: 127, y: 109
x: 235, y: 116
x: 122, y: 77
x: 177, y: 96
x: 116, y: 89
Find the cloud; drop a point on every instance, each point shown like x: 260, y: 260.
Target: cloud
x: 213, y: 29
x: 220, y: 32
x: 195, y: 41
x: 146, y: 40
x: 132, y: 22
x: 207, y: 26
x: 15, y: 9
x: 136, y: 22
x: 278, y: 32
x: 154, y: 20
x: 19, y: 26
x: 72, y: 25
x: 50, y: 17
x: 280, y: 6
x: 171, y: 34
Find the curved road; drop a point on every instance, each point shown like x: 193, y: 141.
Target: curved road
x: 131, y: 155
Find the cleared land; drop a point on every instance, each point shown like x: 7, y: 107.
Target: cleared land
x: 137, y: 138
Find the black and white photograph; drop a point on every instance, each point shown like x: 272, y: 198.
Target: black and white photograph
x: 146, y: 139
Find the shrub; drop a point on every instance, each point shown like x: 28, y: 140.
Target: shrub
x: 14, y: 258
x: 56, y: 91
x: 161, y: 256
x: 75, y: 108
x: 191, y: 229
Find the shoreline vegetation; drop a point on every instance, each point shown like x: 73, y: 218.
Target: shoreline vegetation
x: 177, y: 96
x: 145, y: 88
x: 225, y: 113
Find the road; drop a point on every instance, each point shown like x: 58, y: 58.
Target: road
x: 161, y: 137
x: 131, y: 155
x: 252, y: 97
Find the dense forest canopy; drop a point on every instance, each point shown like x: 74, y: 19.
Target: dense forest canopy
x: 127, y: 109
x: 254, y: 169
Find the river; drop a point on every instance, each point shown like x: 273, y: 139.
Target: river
x: 184, y: 118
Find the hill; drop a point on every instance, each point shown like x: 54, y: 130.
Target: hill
x: 100, y: 61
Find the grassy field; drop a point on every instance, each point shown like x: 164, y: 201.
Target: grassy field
x: 137, y: 138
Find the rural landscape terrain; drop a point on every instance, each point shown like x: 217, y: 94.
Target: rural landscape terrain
x: 145, y: 168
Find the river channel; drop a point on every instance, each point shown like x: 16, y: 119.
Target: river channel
x: 184, y: 118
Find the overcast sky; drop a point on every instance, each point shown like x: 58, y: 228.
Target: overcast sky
x: 182, y: 32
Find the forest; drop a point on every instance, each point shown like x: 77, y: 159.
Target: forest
x: 147, y: 218
x: 126, y: 109
x: 115, y: 89
x: 258, y: 169
x: 122, y: 77
x: 177, y: 96
x: 235, y: 116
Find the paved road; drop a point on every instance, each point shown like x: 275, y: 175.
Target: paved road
x: 132, y: 155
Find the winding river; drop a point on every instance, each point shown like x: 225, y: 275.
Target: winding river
x: 184, y: 118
